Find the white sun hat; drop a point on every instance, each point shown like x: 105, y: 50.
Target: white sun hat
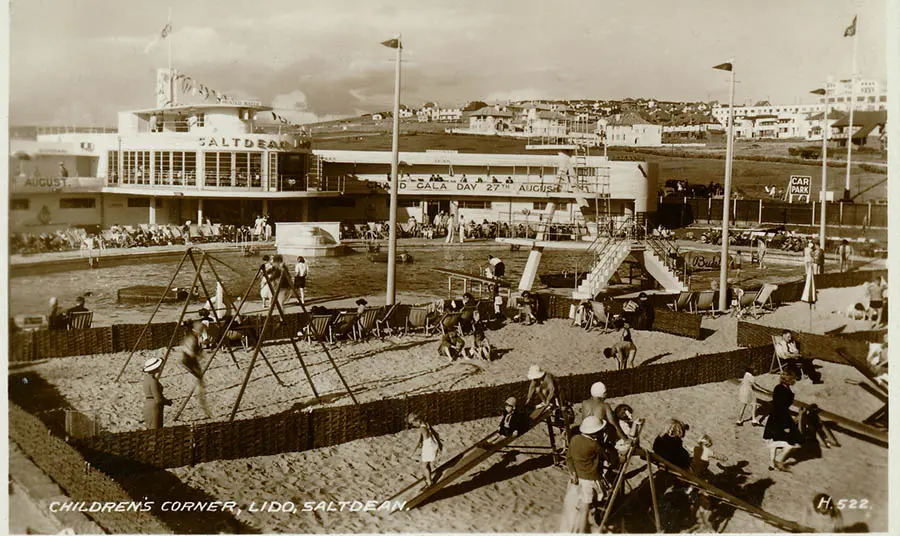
x: 591, y: 425
x: 152, y: 364
x: 535, y: 372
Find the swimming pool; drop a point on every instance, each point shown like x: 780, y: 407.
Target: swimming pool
x: 350, y: 275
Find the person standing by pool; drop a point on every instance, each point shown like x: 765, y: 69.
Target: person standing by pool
x: 451, y: 229
x: 301, y: 271
x: 761, y: 252
x: 462, y: 229
x: 154, y: 401
x: 845, y: 254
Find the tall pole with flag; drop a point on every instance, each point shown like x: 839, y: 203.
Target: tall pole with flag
x: 851, y: 31
x: 824, y: 167
x: 395, y: 168
x: 166, y: 35
x: 726, y: 202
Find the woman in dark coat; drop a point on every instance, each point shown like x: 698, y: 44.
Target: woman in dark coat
x: 781, y: 431
x: 154, y: 401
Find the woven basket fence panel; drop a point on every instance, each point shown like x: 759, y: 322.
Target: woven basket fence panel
x: 127, y: 334
x: 21, y: 347
x: 676, y: 323
x: 66, y: 466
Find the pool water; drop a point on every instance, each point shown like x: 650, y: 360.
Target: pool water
x: 350, y: 275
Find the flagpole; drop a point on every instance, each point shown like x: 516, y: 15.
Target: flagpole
x: 395, y: 167
x: 824, y: 176
x: 172, y: 95
x: 852, y: 98
x: 726, y: 202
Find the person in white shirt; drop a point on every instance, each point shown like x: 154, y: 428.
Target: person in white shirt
x: 462, y: 229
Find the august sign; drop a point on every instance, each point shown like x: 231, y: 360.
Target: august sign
x: 799, y: 186
x: 487, y: 188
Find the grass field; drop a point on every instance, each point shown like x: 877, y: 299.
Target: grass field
x: 749, y: 177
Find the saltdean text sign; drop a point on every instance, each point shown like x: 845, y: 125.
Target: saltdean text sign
x: 246, y: 143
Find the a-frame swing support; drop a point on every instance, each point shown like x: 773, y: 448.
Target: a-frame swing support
x: 284, y: 276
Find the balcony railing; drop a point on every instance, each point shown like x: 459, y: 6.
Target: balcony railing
x: 281, y: 183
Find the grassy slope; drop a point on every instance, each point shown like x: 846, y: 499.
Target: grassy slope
x: 749, y: 177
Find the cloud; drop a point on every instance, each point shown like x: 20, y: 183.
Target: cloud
x: 295, y: 100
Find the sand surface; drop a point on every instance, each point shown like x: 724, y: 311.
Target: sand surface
x: 524, y: 493
x: 391, y: 367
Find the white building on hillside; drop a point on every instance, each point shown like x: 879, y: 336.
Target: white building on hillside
x: 630, y: 129
x: 490, y: 120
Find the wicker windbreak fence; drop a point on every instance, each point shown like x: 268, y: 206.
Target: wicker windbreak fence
x: 81, y: 482
x: 823, y: 347
x: 294, y: 431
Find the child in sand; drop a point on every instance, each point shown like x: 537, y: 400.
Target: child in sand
x: 430, y: 443
x: 748, y: 400
x: 700, y: 466
x: 452, y: 346
x: 480, y: 347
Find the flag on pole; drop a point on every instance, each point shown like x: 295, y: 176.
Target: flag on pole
x: 167, y: 29
x: 724, y: 66
x: 393, y: 43
x: 851, y: 30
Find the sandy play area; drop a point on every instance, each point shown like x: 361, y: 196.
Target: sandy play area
x: 395, y: 366
x: 524, y: 493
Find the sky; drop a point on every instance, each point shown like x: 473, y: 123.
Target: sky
x: 79, y: 62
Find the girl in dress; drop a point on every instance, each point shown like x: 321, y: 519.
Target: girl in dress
x: 430, y: 443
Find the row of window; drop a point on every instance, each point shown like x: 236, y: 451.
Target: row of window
x: 179, y: 168
x: 83, y: 203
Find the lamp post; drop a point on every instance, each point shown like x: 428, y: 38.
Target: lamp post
x: 395, y: 169
x: 821, y: 91
x: 729, y: 148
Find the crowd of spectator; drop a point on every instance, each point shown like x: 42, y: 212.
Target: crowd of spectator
x: 126, y: 236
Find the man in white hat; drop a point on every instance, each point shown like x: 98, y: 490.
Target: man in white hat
x: 542, y: 387
x: 584, y: 461
x: 153, y: 395
x: 597, y: 406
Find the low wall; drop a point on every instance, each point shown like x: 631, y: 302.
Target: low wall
x: 81, y: 482
x: 294, y: 431
x: 824, y: 347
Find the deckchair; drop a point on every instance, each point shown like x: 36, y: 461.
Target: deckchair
x: 365, y: 325
x: 706, y: 302
x: 763, y: 300
x: 343, y: 325
x: 596, y: 316
x: 779, y: 355
x: 448, y: 321
x: 383, y: 321
x: 319, y: 328
x: 745, y: 304
x: 684, y: 302
x: 81, y: 320
x: 417, y: 319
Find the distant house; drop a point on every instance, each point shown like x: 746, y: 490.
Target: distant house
x: 630, y: 129
x: 490, y: 120
x: 405, y: 113
x: 430, y: 111
x: 547, y: 123
x: 377, y: 117
x: 869, y: 129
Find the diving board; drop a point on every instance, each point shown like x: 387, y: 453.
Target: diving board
x: 466, y: 460
x: 876, y: 434
x: 724, y: 496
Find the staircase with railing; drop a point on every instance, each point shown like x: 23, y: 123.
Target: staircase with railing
x: 608, y: 251
x: 662, y: 262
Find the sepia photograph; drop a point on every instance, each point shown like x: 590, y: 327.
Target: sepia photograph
x: 454, y: 266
